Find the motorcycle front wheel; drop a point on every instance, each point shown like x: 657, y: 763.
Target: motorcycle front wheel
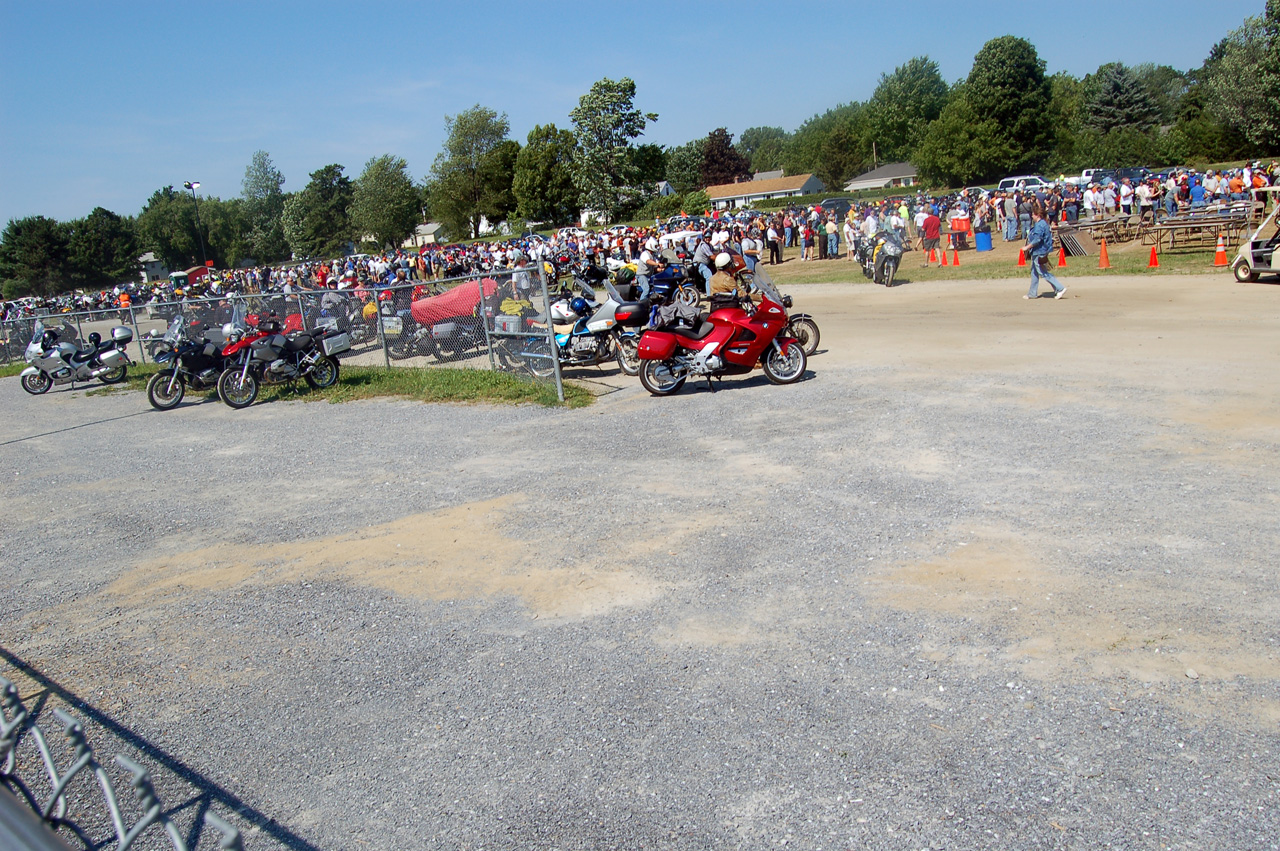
x: 805, y: 330
x: 689, y: 296
x: 164, y: 391
x: 658, y: 377
x: 401, y: 347
x: 784, y: 368
x: 114, y: 376
x: 324, y: 374
x: 37, y: 384
x: 238, y: 391
x: 890, y: 270
x: 539, y: 360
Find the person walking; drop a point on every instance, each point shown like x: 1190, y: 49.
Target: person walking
x: 1039, y: 244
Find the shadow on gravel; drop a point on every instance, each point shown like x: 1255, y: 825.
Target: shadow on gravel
x: 207, y: 793
x: 74, y: 427
x: 733, y: 382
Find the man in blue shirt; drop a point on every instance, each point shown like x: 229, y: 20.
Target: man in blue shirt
x: 1039, y: 244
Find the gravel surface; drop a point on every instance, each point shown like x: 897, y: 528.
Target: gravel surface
x: 885, y: 607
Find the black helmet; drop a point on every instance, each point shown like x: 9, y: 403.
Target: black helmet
x: 626, y: 277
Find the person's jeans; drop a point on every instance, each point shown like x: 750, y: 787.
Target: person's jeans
x: 833, y: 245
x: 705, y: 271
x: 788, y: 241
x: 1036, y: 275
x: 1024, y: 224
x: 1010, y: 228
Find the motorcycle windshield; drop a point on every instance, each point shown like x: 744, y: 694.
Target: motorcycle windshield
x: 174, y: 332
x: 587, y: 293
x: 764, y: 284
x: 37, y: 332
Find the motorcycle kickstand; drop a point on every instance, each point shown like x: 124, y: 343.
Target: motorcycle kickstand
x: 710, y: 386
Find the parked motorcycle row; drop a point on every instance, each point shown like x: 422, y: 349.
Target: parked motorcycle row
x: 656, y: 332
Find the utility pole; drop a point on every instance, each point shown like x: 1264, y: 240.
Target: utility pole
x: 193, y: 186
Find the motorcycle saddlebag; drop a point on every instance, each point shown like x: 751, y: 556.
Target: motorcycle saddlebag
x: 632, y: 314
x: 657, y: 345
x: 335, y: 343
x: 114, y: 358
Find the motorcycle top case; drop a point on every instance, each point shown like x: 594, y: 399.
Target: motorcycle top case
x: 122, y: 335
x: 657, y: 345
x: 632, y: 315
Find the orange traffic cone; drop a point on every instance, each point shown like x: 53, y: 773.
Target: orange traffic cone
x: 1022, y: 257
x: 955, y: 258
x: 1062, y: 258
x: 933, y: 255
x: 1104, y: 261
x: 1154, y: 262
x: 1220, y: 258
x: 944, y: 256
x: 1064, y: 215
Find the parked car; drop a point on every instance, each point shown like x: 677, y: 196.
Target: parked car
x: 1136, y: 174
x: 1030, y: 181
x: 838, y: 206
x: 574, y: 232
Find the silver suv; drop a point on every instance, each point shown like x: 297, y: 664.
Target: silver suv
x: 1031, y: 181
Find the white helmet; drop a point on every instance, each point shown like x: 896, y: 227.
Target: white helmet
x: 723, y: 259
x: 651, y: 244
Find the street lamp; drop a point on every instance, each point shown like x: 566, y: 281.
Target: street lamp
x: 193, y: 185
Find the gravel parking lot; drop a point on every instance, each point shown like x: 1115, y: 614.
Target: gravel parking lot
x: 997, y: 574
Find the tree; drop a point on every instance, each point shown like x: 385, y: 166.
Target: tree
x: 1118, y: 99
x: 384, y: 202
x: 472, y: 176
x: 33, y: 257
x: 1167, y: 87
x: 903, y: 105
x: 102, y: 249
x: 317, y: 220
x: 264, y: 204
x: 1007, y: 86
x: 167, y: 227
x: 721, y: 162
x: 684, y: 167
x: 543, y: 179
x: 650, y: 163
x: 605, y: 121
x: 763, y: 146
x: 961, y: 148
x: 1242, y: 85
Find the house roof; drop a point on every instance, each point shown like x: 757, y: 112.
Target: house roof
x: 758, y: 187
x: 767, y: 175
x: 888, y: 171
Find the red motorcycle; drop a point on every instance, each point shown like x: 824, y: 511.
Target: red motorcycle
x: 731, y: 341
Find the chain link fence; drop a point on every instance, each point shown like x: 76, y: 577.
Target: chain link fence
x: 494, y: 320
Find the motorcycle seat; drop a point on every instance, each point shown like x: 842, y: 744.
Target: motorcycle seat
x: 702, y: 331
x: 300, y: 343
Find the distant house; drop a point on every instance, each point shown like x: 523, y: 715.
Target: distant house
x: 752, y: 191
x: 426, y: 234
x: 664, y: 189
x: 884, y: 177
x: 767, y: 175
x: 153, y: 268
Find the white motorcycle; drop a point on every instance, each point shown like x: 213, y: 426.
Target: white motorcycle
x: 56, y: 357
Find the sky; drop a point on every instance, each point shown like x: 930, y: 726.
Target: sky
x: 102, y: 103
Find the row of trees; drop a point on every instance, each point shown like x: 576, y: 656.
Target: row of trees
x: 1007, y: 116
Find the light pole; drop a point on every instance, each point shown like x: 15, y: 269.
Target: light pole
x: 193, y: 185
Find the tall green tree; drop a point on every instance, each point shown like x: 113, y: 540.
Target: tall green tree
x: 543, y: 179
x: 384, y: 203
x: 763, y: 147
x: 167, y: 227
x: 317, y: 220
x: 684, y: 166
x: 1118, y: 99
x: 1007, y: 85
x: 102, y: 249
x: 605, y: 121
x: 472, y: 176
x: 903, y: 105
x: 33, y: 257
x: 264, y: 203
x: 1242, y: 85
x: 721, y: 161
x: 962, y: 148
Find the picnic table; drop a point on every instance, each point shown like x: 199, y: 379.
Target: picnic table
x: 1200, y: 227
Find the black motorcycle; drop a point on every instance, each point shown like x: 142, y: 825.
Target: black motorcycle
x: 879, y: 256
x: 189, y: 356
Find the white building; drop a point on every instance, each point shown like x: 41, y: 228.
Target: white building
x: 884, y: 177
x: 750, y: 192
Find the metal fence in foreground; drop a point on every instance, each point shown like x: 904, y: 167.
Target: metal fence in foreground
x: 494, y: 320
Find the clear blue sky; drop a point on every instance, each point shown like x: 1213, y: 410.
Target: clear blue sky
x: 102, y: 103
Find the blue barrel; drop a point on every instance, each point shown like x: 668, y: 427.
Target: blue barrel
x: 982, y: 241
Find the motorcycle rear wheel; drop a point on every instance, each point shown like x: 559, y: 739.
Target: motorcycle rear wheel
x: 235, y: 392
x: 37, y: 384
x: 784, y: 369
x: 325, y: 374
x: 159, y: 394
x: 114, y: 376
x: 539, y: 361
x: 628, y: 354
x: 658, y: 378
x: 805, y: 330
x: 401, y: 347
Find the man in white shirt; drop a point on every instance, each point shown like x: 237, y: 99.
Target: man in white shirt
x: 850, y: 238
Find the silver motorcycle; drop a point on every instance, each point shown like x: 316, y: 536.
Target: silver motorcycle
x: 56, y: 357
